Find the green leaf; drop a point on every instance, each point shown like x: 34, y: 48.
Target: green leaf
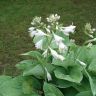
x: 92, y: 66
x: 34, y: 54
x: 84, y: 93
x: 92, y: 81
x: 35, y: 70
x: 83, y: 86
x: 61, y: 83
x: 69, y: 91
x: 73, y: 74
x: 51, y: 90
x: 12, y: 87
x: 25, y: 64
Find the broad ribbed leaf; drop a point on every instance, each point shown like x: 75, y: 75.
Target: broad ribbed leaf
x: 51, y: 90
x: 73, y: 74
x: 35, y: 70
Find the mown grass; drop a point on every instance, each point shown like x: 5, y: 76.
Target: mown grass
x: 15, y: 18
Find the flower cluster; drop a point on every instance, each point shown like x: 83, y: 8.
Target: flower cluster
x: 50, y: 38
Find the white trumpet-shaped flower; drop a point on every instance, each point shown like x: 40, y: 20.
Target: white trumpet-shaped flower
x: 68, y: 29
x: 39, y: 44
x: 40, y: 33
x: 62, y: 47
x: 45, y: 53
x: 32, y: 31
x: 58, y: 39
x: 56, y: 55
x: 82, y: 63
x: 48, y: 75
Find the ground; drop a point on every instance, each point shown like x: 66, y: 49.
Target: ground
x: 16, y: 16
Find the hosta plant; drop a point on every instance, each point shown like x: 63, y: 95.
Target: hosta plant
x: 58, y: 67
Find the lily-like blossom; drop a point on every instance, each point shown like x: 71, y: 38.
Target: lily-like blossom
x: 53, y: 18
x: 82, y: 63
x: 32, y: 31
x: 45, y: 53
x: 62, y: 47
x: 40, y: 33
x: 38, y: 45
x: 48, y: 75
x: 56, y: 55
x: 58, y: 39
x: 68, y: 29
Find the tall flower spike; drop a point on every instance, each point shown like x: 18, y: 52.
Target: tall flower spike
x: 56, y: 55
x: 48, y: 75
x: 68, y: 29
x: 38, y: 45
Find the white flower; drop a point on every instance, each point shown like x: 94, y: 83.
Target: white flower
x: 56, y: 55
x: 58, y: 39
x: 40, y: 33
x: 32, y: 31
x: 45, y: 53
x: 38, y: 45
x: 53, y: 18
x: 48, y: 75
x: 82, y: 63
x: 68, y: 29
x: 94, y: 29
x: 62, y: 47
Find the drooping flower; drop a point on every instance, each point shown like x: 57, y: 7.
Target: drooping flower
x: 58, y: 39
x: 48, y: 75
x: 32, y: 31
x: 40, y: 33
x: 53, y: 18
x: 38, y: 45
x: 45, y: 53
x: 68, y: 29
x: 56, y: 55
x: 82, y: 63
x: 62, y: 47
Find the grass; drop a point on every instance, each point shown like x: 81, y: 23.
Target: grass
x: 15, y: 18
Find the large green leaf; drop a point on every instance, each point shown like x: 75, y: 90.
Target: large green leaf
x: 11, y: 87
x: 51, y: 90
x: 83, y: 86
x: 25, y: 64
x: 35, y: 70
x: 18, y: 86
x: 92, y: 81
x: 34, y: 54
x: 72, y: 74
x: 62, y: 83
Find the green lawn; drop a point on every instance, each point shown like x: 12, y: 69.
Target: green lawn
x: 15, y: 18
